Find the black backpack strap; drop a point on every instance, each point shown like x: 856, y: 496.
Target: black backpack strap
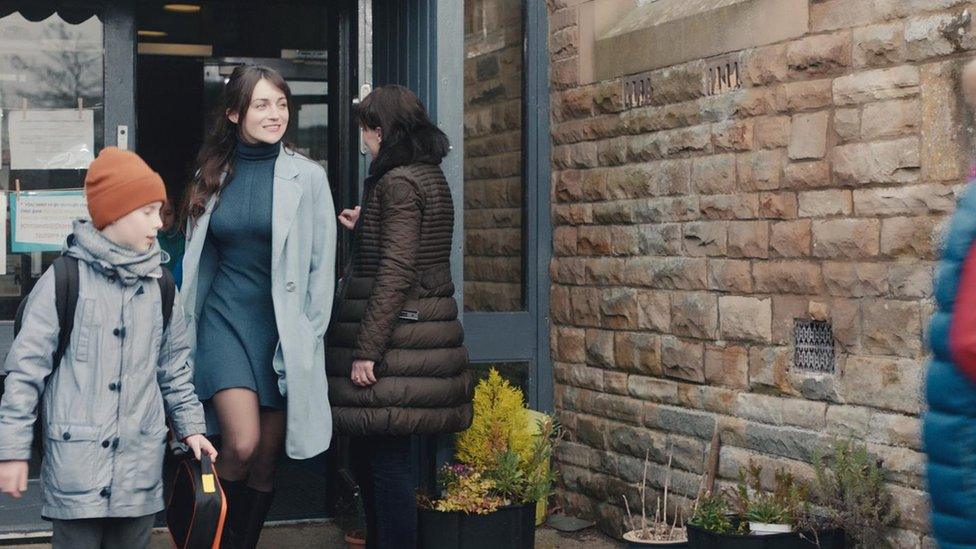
x: 66, y: 300
x: 167, y: 289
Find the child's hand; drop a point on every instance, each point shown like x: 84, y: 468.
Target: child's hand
x: 13, y: 477
x: 199, y: 443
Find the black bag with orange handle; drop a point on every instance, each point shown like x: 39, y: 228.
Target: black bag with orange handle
x: 197, y: 507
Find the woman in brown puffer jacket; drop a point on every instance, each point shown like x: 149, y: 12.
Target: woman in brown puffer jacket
x: 397, y: 364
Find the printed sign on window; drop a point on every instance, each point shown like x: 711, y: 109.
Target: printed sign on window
x: 41, y: 222
x: 61, y: 139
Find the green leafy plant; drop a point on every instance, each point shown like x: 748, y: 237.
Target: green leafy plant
x: 712, y: 513
x: 539, y: 475
x: 781, y: 506
x: 767, y: 511
x: 849, y: 492
x: 502, y: 458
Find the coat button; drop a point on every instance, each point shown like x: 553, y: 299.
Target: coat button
x: 290, y: 286
x: 112, y: 386
x: 116, y: 332
x: 105, y: 493
x: 105, y: 444
x: 66, y: 436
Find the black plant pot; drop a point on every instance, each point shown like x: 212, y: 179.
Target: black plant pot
x: 512, y: 527
x: 703, y: 539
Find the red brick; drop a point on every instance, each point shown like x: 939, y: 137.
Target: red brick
x: 807, y: 175
x: 790, y: 238
x: 789, y: 277
x: 772, y: 132
x: 846, y: 238
x: 777, y: 205
x: 730, y: 275
x: 760, y: 171
x: 748, y: 239
x: 727, y: 366
x: 820, y: 54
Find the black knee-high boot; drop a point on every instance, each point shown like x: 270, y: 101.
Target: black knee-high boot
x: 239, y: 501
x: 260, y: 504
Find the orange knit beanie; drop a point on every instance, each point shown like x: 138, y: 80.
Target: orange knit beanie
x: 119, y: 182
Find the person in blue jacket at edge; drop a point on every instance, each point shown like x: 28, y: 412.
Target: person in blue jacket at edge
x: 949, y: 426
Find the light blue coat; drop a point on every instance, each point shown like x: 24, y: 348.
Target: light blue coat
x: 303, y: 243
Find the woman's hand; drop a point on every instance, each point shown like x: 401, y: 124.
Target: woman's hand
x: 13, y: 477
x: 362, y: 373
x: 348, y: 218
x: 199, y: 443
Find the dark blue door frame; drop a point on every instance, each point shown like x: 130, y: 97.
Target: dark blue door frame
x: 524, y: 336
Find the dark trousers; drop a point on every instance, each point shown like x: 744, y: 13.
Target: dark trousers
x: 103, y: 533
x: 387, y: 483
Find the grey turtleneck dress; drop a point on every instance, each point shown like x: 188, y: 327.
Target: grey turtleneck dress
x: 237, y: 333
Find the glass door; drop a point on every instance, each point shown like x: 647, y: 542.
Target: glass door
x: 55, y: 61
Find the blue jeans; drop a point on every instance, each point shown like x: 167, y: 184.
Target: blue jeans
x: 388, y: 486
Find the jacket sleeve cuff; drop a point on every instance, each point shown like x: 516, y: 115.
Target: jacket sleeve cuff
x: 11, y: 454
x: 361, y: 354
x: 185, y: 426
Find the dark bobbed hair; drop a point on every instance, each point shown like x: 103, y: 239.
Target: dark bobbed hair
x: 409, y: 135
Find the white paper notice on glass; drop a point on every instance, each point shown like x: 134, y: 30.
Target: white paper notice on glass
x: 59, y: 139
x: 42, y: 221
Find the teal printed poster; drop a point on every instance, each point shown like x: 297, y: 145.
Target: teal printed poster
x: 41, y: 221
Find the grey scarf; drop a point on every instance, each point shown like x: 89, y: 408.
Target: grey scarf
x: 88, y: 244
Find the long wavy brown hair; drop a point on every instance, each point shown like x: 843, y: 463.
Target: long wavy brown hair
x: 215, y: 157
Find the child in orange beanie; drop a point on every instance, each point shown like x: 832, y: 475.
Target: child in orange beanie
x: 105, y: 388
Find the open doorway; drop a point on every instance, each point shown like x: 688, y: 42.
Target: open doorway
x: 185, y: 54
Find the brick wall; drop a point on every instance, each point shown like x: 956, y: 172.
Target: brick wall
x: 493, y: 155
x: 690, y: 234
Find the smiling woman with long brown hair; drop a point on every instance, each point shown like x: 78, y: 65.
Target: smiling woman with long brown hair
x: 258, y: 276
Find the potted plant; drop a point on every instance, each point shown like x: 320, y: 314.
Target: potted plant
x: 659, y: 533
x: 747, y: 517
x: 489, y: 496
x: 768, y: 517
x: 768, y: 512
x: 712, y: 523
x: 850, y: 496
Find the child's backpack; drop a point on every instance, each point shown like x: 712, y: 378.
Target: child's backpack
x: 66, y: 301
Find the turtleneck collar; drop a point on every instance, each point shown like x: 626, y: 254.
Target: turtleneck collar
x: 257, y: 151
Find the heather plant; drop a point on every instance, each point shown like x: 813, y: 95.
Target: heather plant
x: 849, y: 492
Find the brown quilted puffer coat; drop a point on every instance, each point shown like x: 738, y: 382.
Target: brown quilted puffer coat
x: 399, y: 311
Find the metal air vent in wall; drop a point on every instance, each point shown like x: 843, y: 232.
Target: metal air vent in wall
x: 814, y: 346
x: 637, y: 90
x: 722, y: 75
